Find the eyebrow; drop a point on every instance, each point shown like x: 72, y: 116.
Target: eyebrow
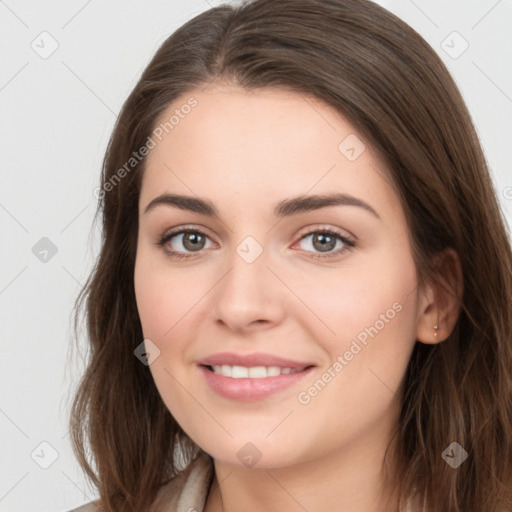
x: 285, y: 208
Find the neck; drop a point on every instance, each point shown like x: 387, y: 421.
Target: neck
x: 349, y: 478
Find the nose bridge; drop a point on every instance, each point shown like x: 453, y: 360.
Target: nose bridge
x: 250, y: 250
x: 249, y: 291
x: 249, y: 274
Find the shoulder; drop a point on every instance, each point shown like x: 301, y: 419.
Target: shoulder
x: 187, y: 490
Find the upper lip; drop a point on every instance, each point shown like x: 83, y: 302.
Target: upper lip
x: 251, y: 360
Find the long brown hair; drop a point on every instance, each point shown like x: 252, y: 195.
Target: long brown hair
x: 386, y: 80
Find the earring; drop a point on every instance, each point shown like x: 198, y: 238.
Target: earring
x: 436, y: 328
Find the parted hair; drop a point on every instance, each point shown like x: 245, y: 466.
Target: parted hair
x: 391, y: 85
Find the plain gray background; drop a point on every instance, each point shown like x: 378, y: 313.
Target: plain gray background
x: 57, y: 112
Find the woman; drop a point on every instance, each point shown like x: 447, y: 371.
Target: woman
x: 303, y: 297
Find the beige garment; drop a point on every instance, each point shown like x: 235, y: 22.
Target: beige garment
x: 187, y: 492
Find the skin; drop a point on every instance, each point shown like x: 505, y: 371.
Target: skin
x: 244, y: 152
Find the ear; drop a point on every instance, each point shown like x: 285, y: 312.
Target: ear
x: 440, y: 299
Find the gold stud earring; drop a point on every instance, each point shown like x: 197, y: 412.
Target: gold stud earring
x: 436, y: 328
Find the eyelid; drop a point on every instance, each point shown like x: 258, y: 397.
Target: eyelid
x: 187, y: 228
x: 320, y: 228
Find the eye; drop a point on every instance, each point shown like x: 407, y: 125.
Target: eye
x: 323, y: 241
x: 183, y: 242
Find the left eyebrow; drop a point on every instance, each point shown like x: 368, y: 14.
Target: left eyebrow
x: 285, y: 208
x: 304, y: 204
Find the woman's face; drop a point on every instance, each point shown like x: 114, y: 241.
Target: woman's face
x: 256, y: 179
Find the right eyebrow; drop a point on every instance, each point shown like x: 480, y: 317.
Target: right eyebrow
x: 189, y: 203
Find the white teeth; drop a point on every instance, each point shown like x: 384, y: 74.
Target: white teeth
x: 225, y: 370
x: 239, y: 372
x: 273, y: 371
x: 255, y: 372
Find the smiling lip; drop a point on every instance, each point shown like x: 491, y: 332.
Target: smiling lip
x: 250, y: 360
x: 249, y: 389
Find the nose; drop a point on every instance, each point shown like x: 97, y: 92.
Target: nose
x: 249, y: 296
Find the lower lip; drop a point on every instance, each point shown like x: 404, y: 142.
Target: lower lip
x: 251, y: 389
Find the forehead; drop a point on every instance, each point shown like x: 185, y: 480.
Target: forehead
x: 231, y: 122
x: 263, y: 145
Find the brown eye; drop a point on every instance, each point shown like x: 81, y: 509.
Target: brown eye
x: 193, y: 241
x: 326, y: 241
x: 184, y: 243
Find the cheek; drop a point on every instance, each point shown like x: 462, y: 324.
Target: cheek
x: 373, y: 316
x: 164, y: 295
x: 152, y: 303
x: 376, y: 293
x: 376, y: 327
x: 163, y: 300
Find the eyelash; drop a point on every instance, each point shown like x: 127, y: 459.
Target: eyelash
x: 348, y: 244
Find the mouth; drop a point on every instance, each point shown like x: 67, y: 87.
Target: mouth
x: 253, y: 372
x: 251, y: 383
